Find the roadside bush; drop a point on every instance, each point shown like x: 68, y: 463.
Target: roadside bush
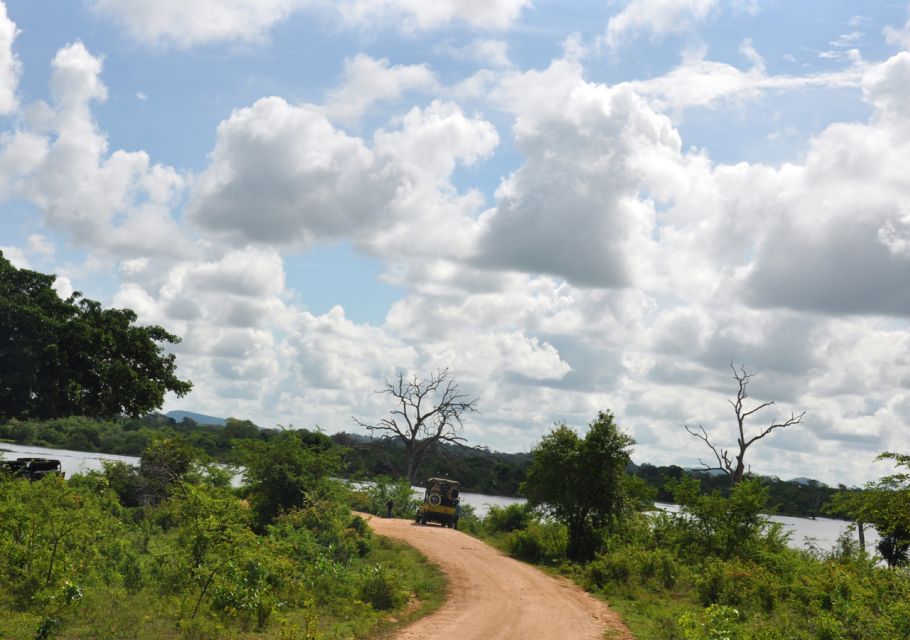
x: 611, y: 568
x: 540, y: 541
x: 383, y: 489
x: 468, y: 521
x: 659, y: 566
x: 714, y: 623
x: 381, y: 588
x: 508, y: 518
x: 744, y: 585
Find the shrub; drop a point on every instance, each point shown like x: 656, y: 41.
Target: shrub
x: 383, y: 489
x: 381, y: 588
x: 658, y: 565
x: 612, y: 568
x: 540, y: 541
x: 717, y: 622
x: 506, y: 519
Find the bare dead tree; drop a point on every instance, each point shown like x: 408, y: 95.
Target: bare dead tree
x: 735, y: 468
x: 428, y: 412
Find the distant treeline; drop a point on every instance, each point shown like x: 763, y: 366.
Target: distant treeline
x: 479, y: 470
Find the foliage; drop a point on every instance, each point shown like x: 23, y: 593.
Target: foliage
x: 712, y: 525
x: 581, y: 482
x: 51, y: 533
x: 508, y: 518
x: 383, y: 489
x: 719, y: 570
x: 539, y: 542
x: 382, y: 588
x: 714, y: 623
x: 73, y: 357
x: 886, y: 505
x: 76, y: 562
x: 280, y: 473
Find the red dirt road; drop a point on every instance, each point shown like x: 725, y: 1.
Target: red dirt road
x: 494, y: 597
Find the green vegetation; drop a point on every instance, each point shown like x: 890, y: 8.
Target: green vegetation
x: 719, y: 569
x: 581, y: 482
x: 169, y: 550
x: 72, y: 357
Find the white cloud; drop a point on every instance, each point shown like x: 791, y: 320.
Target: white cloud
x: 367, y: 81
x: 283, y: 174
x: 421, y: 15
x: 655, y: 18
x: 174, y: 22
x: 10, y: 67
x: 698, y: 82
x: 118, y: 201
x: 433, y: 140
x: 572, y: 209
x: 898, y: 37
x: 485, y: 51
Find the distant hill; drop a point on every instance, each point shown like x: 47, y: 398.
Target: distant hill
x: 199, y: 418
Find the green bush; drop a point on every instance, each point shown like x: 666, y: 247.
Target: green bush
x: 714, y: 623
x: 659, y: 566
x: 540, y: 541
x: 611, y: 568
x: 745, y: 585
x: 383, y: 489
x: 382, y: 589
x: 506, y: 519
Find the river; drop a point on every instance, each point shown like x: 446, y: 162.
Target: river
x: 822, y: 533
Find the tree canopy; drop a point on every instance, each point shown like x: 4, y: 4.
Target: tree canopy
x: 884, y: 504
x: 73, y: 357
x: 581, y: 481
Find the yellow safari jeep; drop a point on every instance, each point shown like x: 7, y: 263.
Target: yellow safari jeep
x: 441, y: 503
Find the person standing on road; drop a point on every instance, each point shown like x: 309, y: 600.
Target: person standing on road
x: 388, y: 508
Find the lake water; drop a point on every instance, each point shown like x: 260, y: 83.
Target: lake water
x: 823, y: 532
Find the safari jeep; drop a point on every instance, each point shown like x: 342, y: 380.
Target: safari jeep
x: 440, y: 503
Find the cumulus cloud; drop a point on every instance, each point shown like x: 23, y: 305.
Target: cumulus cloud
x: 839, y: 249
x: 284, y: 174
x: 367, y: 81
x: 572, y: 209
x: 655, y: 18
x: 433, y: 140
x: 116, y: 200
x: 10, y: 67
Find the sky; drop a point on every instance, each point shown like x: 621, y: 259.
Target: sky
x: 571, y: 206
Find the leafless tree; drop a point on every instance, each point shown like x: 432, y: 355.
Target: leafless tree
x: 428, y: 412
x: 735, y: 467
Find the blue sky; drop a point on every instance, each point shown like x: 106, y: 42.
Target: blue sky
x: 573, y: 206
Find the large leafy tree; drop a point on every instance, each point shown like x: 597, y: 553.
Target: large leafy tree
x: 581, y: 481
x: 73, y: 357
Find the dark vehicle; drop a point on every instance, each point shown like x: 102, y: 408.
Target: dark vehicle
x: 441, y: 503
x: 31, y: 468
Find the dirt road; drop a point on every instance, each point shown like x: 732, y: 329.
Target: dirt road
x: 494, y: 597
